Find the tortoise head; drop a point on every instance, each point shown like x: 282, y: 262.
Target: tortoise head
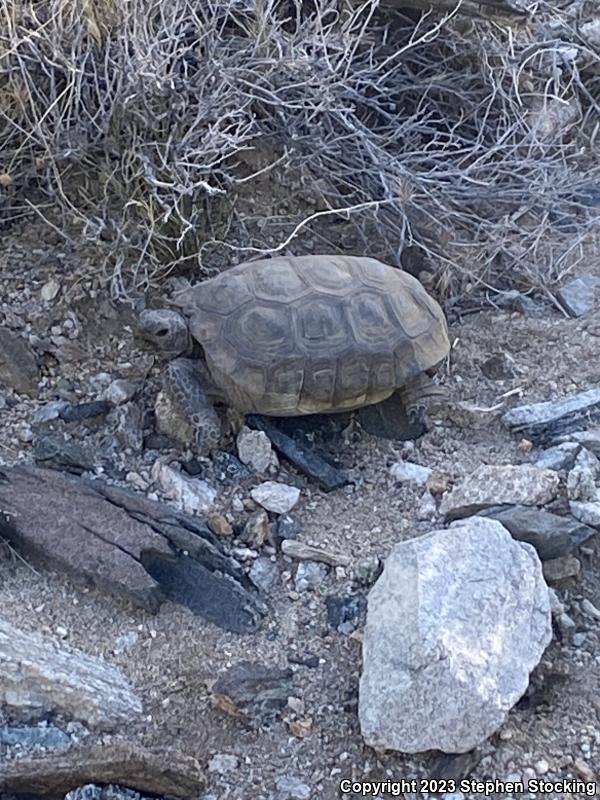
x: 166, y: 330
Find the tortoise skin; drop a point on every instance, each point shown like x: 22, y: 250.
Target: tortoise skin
x: 314, y: 334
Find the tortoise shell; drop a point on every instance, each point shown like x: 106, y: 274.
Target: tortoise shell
x: 311, y: 334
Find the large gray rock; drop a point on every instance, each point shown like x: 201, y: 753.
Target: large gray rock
x: 506, y: 484
x: 455, y: 624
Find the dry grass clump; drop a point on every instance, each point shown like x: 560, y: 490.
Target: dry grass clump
x: 201, y: 132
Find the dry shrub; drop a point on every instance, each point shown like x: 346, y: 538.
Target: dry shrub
x: 195, y: 133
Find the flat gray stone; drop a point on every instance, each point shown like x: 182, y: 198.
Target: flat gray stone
x: 492, y: 485
x: 562, y: 456
x: 34, y: 736
x: 544, y: 422
x: 39, y: 677
x: 455, y: 624
x: 263, y: 574
x: 578, y: 296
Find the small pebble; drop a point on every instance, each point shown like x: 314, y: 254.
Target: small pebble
x: 219, y: 525
x: 590, y: 609
x: 222, y: 763
x: 542, y: 766
x: 584, y: 770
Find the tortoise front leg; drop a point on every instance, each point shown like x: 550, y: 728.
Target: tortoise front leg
x: 188, y: 384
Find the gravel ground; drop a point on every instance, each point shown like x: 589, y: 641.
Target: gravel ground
x: 172, y: 658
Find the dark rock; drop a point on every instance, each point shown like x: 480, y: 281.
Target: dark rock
x: 193, y: 467
x: 543, y: 422
x: 80, y: 411
x: 34, y: 735
x: 551, y: 535
x: 304, y: 660
x: 344, y: 613
x: 218, y: 598
x: 18, y: 365
x: 453, y: 767
x: 309, y: 428
x: 389, y: 420
x: 300, y: 454
x: 513, y: 300
x: 288, y: 527
x: 54, y: 450
x: 252, y: 691
x: 231, y: 467
x: 159, y: 441
x: 49, y: 412
x: 562, y: 570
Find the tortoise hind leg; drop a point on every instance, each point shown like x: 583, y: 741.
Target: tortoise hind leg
x: 419, y: 395
x: 187, y: 383
x: 389, y: 419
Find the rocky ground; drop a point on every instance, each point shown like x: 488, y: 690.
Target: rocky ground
x: 499, y: 359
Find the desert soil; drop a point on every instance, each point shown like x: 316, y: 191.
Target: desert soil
x: 172, y: 658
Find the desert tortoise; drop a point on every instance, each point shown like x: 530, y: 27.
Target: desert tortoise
x: 289, y: 336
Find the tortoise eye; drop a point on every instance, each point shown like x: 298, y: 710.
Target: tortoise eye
x: 162, y: 332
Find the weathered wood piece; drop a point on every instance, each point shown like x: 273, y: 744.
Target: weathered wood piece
x: 310, y: 462
x: 54, y: 773
x: 306, y: 552
x: 543, y: 422
x: 37, y: 677
x: 107, y: 536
